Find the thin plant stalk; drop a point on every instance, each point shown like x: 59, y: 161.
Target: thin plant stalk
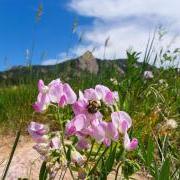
x: 11, y: 154
x: 163, y: 159
x: 117, y: 170
x: 63, y: 144
x: 89, y: 155
x: 98, y: 151
x: 100, y: 157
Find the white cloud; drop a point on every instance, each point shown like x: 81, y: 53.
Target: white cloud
x: 127, y: 23
x: 111, y: 9
x: 60, y: 58
x: 49, y: 62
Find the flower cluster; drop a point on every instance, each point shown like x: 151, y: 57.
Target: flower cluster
x: 96, y: 118
x: 89, y: 121
x: 48, y: 145
x: 45, y: 140
x: 55, y: 92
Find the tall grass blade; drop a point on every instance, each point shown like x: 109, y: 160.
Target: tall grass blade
x: 11, y: 155
x: 165, y: 171
x: 43, y: 172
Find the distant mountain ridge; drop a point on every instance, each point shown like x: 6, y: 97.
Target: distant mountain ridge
x: 86, y: 64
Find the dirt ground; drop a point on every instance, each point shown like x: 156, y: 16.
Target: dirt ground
x: 26, y: 161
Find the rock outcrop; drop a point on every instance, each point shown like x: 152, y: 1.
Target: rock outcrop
x: 87, y: 62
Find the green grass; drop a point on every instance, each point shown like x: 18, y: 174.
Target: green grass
x: 149, y: 103
x: 138, y: 97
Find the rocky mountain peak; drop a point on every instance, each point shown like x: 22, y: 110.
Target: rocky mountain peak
x: 88, y: 55
x: 87, y: 62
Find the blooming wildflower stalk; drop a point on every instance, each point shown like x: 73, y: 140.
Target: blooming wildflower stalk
x: 97, y: 122
x: 148, y: 75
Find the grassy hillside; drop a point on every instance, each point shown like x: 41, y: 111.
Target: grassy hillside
x: 138, y: 96
x: 150, y: 103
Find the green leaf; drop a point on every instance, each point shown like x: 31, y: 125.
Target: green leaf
x: 68, y: 155
x: 119, y: 153
x: 142, y: 152
x: 150, y: 152
x: 97, y: 162
x: 110, y: 161
x: 130, y: 167
x: 156, y: 171
x: 43, y: 172
x: 165, y: 171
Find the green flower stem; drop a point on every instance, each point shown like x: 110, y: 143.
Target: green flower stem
x: 98, y: 151
x: 89, y: 155
x: 100, y: 157
x: 63, y: 144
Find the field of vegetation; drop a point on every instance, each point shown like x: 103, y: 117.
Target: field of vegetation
x: 150, y: 95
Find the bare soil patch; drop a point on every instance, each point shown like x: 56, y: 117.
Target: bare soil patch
x: 26, y: 161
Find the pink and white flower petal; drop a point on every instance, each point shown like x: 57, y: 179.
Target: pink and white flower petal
x: 37, y: 128
x: 55, y: 92
x: 80, y: 122
x: 111, y: 133
x: 79, y: 107
x: 70, y: 128
x: 42, y: 102
x: 70, y: 94
x: 98, y: 133
x: 63, y: 101
x: 56, y: 81
x: 130, y: 145
x: 83, y: 143
x: 91, y: 94
x: 102, y: 91
x: 55, y: 143
x: 121, y: 121
x: 41, y: 86
x: 106, y: 95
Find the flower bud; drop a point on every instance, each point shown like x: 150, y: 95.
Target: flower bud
x: 55, y: 143
x: 76, y: 157
x: 171, y: 124
x: 42, y: 148
x: 81, y: 173
x: 148, y: 75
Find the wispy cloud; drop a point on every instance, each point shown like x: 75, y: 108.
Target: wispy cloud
x: 117, y: 9
x: 127, y: 23
x: 59, y: 59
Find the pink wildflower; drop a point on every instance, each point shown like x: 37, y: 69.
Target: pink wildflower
x: 76, y: 125
x: 106, y: 95
x: 121, y: 121
x: 83, y: 143
x: 130, y: 145
x: 38, y: 132
x: 148, y: 75
x: 54, y: 92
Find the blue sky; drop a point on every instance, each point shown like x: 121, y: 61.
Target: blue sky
x: 19, y: 30
x: 127, y: 24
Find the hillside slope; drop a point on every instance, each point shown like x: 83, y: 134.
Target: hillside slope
x: 85, y: 65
